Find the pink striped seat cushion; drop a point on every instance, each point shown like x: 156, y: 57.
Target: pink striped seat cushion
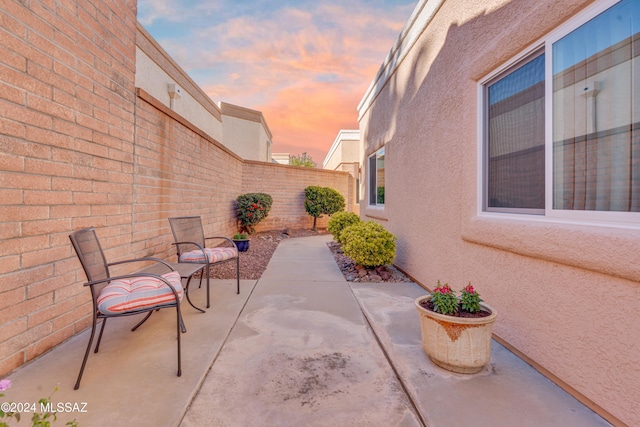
x: 136, y: 293
x: 214, y: 255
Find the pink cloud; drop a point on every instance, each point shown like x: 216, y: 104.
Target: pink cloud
x: 306, y: 70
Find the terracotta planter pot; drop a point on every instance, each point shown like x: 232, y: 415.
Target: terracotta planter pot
x: 458, y: 344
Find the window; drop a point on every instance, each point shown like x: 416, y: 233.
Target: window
x: 574, y: 106
x: 515, y: 139
x: 376, y: 178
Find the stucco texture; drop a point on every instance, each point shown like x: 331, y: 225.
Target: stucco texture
x: 568, y: 295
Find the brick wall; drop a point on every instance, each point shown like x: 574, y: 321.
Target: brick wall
x: 286, y: 184
x: 66, y: 151
x: 80, y: 147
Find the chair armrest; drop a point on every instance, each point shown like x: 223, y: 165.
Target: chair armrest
x: 143, y: 259
x: 198, y: 245
x: 224, y: 238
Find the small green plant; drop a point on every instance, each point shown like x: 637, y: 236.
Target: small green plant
x: 470, y: 300
x: 240, y: 236
x: 42, y: 412
x: 322, y: 201
x: 369, y: 244
x: 252, y: 208
x: 444, y: 300
x: 340, y: 221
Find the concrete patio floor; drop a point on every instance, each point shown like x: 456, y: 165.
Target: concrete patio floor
x: 300, y: 346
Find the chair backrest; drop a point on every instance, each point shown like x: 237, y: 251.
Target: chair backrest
x: 89, y: 251
x: 187, y: 229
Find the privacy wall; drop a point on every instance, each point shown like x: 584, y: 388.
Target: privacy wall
x: 81, y: 146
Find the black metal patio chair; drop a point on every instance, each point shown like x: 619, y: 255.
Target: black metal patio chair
x: 190, y: 246
x: 124, y: 295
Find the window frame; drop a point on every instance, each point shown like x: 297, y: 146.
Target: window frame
x: 543, y: 45
x: 373, y: 175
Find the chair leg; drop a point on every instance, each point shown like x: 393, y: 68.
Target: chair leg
x: 208, y: 274
x: 238, y: 273
x: 180, y: 326
x: 186, y: 292
x: 86, y: 353
x: 104, y: 322
x: 142, y: 321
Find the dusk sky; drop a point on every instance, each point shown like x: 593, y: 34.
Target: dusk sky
x: 305, y: 64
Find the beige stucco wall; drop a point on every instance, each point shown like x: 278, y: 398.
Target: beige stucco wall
x: 567, y: 293
x: 155, y: 70
x: 345, y: 149
x: 246, y: 133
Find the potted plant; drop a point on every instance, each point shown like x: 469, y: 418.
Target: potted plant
x: 456, y: 331
x: 242, y: 241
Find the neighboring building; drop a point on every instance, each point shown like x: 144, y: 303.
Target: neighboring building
x: 246, y: 132
x: 344, y: 155
x: 282, y: 158
x: 243, y: 131
x: 504, y: 135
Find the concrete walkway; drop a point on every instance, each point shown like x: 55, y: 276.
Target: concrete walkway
x: 299, y: 347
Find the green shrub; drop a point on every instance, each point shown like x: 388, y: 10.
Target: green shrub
x: 369, y: 244
x: 320, y: 201
x: 252, y: 208
x: 339, y: 221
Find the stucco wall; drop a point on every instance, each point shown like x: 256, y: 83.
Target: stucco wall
x: 567, y: 293
x: 155, y: 70
x: 246, y: 132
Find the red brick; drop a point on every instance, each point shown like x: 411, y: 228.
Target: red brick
x: 24, y: 276
x: 51, y: 108
x: 12, y: 25
x: 89, y: 199
x: 91, y: 123
x: 72, y: 211
x: 90, y: 173
x: 45, y: 136
x: 44, y: 167
x: 21, y: 114
x: 76, y: 317
x: 44, y: 256
x: 12, y: 128
x: 12, y: 94
x: 49, y: 341
x: 48, y: 226
x: 24, y: 148
x: 23, y: 213
x: 34, y: 197
x: 12, y: 297
x: 70, y: 291
x: 49, y: 285
x: 24, y: 308
x: 23, y: 340
x: 49, y: 313
x: 11, y: 329
x: 94, y: 221
x: 11, y: 362
x: 9, y: 264
x: 71, y: 129
x: 11, y: 163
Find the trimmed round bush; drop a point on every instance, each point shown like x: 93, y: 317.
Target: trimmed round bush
x: 320, y: 201
x: 369, y: 244
x: 252, y: 208
x: 339, y: 221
